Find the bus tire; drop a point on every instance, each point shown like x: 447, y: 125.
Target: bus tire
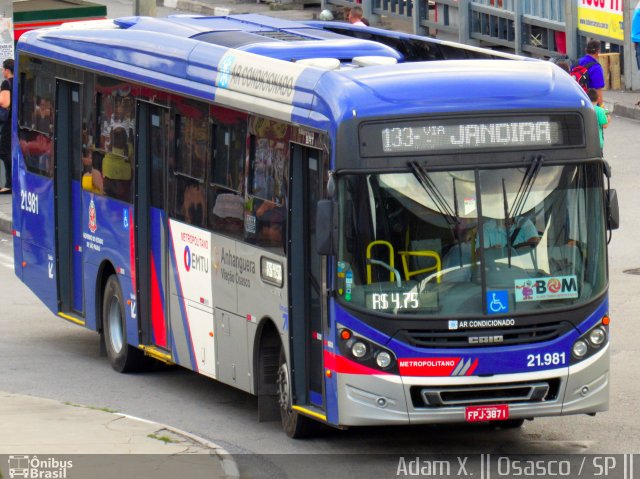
x: 122, y: 357
x: 295, y: 425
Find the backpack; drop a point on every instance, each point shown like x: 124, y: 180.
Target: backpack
x: 581, y: 74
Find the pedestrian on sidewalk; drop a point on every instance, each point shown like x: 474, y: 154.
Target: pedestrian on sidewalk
x: 601, y: 114
x: 595, y: 73
x: 5, y: 129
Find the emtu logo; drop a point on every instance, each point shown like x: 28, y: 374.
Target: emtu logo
x: 187, y: 258
x: 195, y: 261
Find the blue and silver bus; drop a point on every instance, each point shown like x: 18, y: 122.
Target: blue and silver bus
x: 359, y: 227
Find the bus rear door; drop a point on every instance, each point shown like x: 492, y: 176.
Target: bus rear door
x: 68, y: 194
x: 151, y: 225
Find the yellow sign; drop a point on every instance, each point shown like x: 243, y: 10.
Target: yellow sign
x: 601, y: 17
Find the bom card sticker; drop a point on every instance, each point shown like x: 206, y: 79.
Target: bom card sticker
x: 543, y: 289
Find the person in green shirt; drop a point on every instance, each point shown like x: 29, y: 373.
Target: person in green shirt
x: 601, y: 114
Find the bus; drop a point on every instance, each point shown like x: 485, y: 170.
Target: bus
x: 357, y: 226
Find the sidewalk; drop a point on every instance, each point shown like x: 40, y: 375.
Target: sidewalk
x: 44, y: 429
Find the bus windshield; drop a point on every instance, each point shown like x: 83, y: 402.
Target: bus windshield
x: 472, y: 242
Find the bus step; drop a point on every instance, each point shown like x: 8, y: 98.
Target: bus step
x: 72, y: 318
x: 311, y: 411
x: 157, y: 353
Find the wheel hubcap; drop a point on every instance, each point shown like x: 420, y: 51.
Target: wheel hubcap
x: 116, y: 336
x: 283, y: 387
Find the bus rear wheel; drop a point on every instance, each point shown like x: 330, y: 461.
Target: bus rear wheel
x: 123, y: 357
x: 295, y: 425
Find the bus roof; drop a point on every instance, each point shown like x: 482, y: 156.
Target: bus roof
x: 264, y: 64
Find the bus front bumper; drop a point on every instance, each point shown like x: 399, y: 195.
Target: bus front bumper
x: 366, y: 400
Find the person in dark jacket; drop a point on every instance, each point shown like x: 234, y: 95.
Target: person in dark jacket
x: 5, y: 131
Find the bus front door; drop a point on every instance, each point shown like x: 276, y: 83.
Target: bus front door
x: 308, y: 310
x: 151, y: 227
x: 68, y: 198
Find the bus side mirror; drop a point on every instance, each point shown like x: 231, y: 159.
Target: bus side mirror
x: 326, y: 227
x: 613, y: 212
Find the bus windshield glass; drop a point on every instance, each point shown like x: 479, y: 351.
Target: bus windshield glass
x: 472, y: 242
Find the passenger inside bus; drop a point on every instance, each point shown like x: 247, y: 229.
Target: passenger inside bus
x: 116, y: 167
x: 36, y: 148
x: 193, y: 205
x: 92, y: 172
x: 270, y: 223
x: 42, y: 117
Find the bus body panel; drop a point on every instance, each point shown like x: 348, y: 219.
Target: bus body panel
x: 76, y: 236
x: 487, y: 360
x: 93, y: 309
x: 210, y: 269
x: 38, y: 273
x: 359, y: 396
x: 581, y: 389
x: 192, y: 272
x: 33, y: 221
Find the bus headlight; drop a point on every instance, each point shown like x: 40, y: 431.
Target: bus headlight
x: 366, y: 352
x: 580, y: 348
x: 597, y: 336
x: 591, y: 342
x: 359, y: 349
x: 383, y: 359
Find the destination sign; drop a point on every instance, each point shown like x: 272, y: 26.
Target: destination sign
x: 423, y: 136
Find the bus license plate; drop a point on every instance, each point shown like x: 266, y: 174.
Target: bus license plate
x: 496, y: 412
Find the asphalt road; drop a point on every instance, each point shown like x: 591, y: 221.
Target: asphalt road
x: 43, y: 355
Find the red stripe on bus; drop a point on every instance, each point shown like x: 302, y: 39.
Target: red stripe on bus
x: 132, y: 252
x: 473, y: 367
x: 157, y: 310
x: 340, y: 364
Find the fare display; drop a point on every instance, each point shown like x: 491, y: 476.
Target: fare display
x: 424, y: 136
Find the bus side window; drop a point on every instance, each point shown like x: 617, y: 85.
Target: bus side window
x: 267, y: 182
x: 227, y: 172
x: 188, y: 177
x: 36, y: 120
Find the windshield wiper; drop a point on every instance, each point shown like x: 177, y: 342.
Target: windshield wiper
x: 450, y: 215
x: 507, y: 220
x: 526, y: 185
x: 434, y: 193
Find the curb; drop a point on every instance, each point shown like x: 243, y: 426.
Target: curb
x: 229, y: 465
x: 630, y: 112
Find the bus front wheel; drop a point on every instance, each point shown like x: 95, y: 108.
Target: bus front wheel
x: 295, y: 425
x: 123, y: 357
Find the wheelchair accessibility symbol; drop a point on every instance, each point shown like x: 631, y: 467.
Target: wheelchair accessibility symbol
x: 497, y: 302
